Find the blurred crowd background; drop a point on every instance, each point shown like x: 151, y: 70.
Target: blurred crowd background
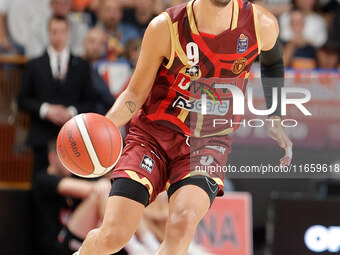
x: 309, y: 28
x: 59, y: 58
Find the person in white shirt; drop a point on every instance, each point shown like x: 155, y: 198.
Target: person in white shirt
x: 38, y: 36
x: 16, y: 17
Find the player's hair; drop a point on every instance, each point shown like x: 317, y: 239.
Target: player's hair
x: 57, y: 18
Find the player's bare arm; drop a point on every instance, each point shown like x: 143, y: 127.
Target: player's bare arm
x: 269, y: 31
x: 75, y: 188
x: 156, y: 46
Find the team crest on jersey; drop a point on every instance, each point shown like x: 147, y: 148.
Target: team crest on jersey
x: 242, y: 44
x: 239, y: 65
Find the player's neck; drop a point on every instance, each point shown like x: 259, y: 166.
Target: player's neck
x: 211, y: 19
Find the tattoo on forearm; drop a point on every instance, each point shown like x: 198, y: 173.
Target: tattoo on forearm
x: 131, y: 106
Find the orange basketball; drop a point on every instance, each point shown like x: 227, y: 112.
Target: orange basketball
x: 89, y: 145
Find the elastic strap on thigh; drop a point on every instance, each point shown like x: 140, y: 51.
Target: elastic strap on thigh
x: 129, y: 188
x: 204, y: 182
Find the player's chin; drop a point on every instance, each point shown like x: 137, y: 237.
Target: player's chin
x: 220, y: 3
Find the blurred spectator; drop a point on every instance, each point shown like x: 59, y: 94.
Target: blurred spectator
x: 80, y: 5
x: 117, y: 74
x: 55, y: 87
x: 16, y: 17
x: 94, y: 44
x: 39, y: 37
x: 128, y: 3
x: 336, y: 23
x: 328, y: 55
x: 172, y: 3
x: 276, y: 7
x: 66, y: 208
x: 302, y: 31
x: 110, y: 16
x: 132, y: 51
x: 332, y: 10
x: 141, y: 15
x: 90, y: 12
x: 160, y: 6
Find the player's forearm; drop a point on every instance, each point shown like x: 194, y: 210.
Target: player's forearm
x: 126, y: 106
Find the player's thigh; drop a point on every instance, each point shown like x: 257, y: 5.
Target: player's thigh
x: 142, y: 163
x: 187, y: 206
x: 207, y: 157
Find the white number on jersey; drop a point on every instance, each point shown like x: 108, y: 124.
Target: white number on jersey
x: 193, y: 53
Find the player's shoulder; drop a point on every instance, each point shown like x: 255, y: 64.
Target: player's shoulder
x: 157, y: 37
x: 268, y: 26
x: 158, y: 26
x: 267, y: 21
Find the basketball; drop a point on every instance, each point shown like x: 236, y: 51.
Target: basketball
x: 89, y: 145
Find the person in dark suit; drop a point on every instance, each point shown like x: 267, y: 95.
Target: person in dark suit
x: 55, y: 87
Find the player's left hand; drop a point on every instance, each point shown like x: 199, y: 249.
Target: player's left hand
x: 277, y: 132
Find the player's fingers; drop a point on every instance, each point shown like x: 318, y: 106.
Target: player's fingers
x: 289, y: 161
x: 284, y: 162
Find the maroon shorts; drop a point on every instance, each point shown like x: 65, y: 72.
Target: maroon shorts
x: 158, y: 157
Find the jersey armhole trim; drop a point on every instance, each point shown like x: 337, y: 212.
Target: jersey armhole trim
x: 257, y: 29
x: 172, y: 38
x: 234, y: 20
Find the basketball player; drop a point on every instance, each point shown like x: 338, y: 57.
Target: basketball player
x: 169, y: 135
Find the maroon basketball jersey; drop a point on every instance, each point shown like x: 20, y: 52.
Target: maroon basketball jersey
x: 198, y: 63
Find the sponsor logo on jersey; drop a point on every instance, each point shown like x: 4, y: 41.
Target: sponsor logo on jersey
x: 206, y: 160
x: 239, y: 65
x: 213, y: 107
x: 218, y: 148
x: 147, y: 163
x: 193, y: 71
x: 196, y: 88
x: 242, y: 44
